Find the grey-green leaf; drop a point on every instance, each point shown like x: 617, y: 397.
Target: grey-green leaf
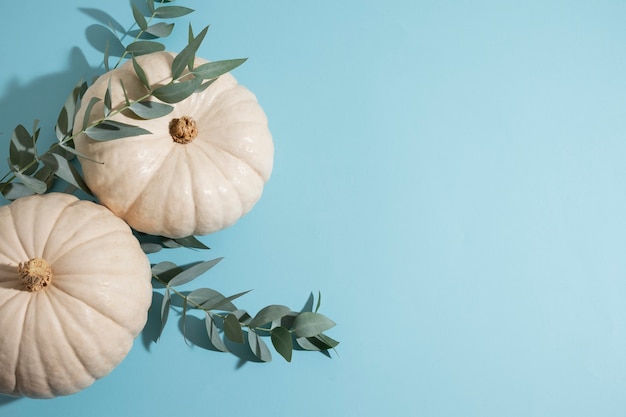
x: 193, y: 272
x: 63, y: 169
x: 186, y: 56
x: 111, y: 130
x: 165, y: 309
x: 224, y: 304
x: 191, y: 242
x: 141, y: 74
x: 213, y: 333
x: 15, y: 190
x: 160, y: 30
x: 232, y: 329
x: 282, y: 341
x: 144, y: 47
x: 168, y: 12
x: 216, y: 68
x: 311, y: 324
x: 35, y: 185
x: 206, y: 297
x: 269, y: 314
x: 175, y: 92
x: 166, y: 270
x: 139, y: 17
x: 88, y: 110
x: 22, y: 149
x: 150, y: 109
x: 258, y: 346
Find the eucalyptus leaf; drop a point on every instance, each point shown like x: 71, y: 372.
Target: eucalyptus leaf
x: 213, y: 333
x: 107, y: 100
x: 191, y: 242
x: 242, y: 316
x: 22, y: 150
x: 73, y: 151
x: 144, y: 47
x: 88, y: 109
x: 150, y: 109
x: 63, y: 169
x: 111, y: 130
x: 139, y: 17
x: 35, y: 185
x: 283, y: 342
x: 62, y: 126
x: 216, y: 68
x: 311, y: 324
x: 168, y: 12
x: 269, y: 314
x: 319, y: 301
x: 166, y: 270
x: 258, y: 346
x: 187, y: 55
x: 175, y: 92
x: 208, y: 296
x: 160, y: 30
x: 141, y: 74
x: 319, y: 342
x: 232, y: 328
x: 15, y: 190
x: 193, y: 272
x: 150, y: 4
x: 165, y: 309
x: 223, y: 304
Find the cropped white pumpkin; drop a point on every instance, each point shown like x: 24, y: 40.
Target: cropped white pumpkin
x: 162, y: 186
x: 74, y: 292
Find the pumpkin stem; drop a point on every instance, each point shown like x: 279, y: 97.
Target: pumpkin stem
x: 35, y: 274
x: 183, y: 130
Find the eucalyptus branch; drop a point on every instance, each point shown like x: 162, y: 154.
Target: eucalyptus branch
x: 283, y: 325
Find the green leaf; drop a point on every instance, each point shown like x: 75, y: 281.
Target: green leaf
x: 88, y: 109
x: 22, y: 149
x: 319, y: 342
x: 169, y: 12
x: 166, y: 270
x: 33, y: 184
x: 188, y: 54
x: 311, y: 324
x: 141, y: 74
x: 165, y: 309
x: 242, y: 316
x: 111, y: 130
x: 144, y: 47
x: 14, y: 190
x: 215, y: 69
x: 160, y: 30
x: 220, y: 304
x: 63, y: 169
x: 232, y: 329
x: 269, y: 314
x: 139, y: 17
x: 107, y: 100
x: 213, y: 333
x: 73, y: 151
x: 150, y: 109
x: 175, y: 92
x: 282, y: 341
x: 191, y: 242
x: 208, y: 296
x: 150, y: 4
x: 319, y: 301
x: 193, y: 272
x: 258, y: 346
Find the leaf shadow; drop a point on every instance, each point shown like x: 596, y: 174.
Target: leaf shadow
x: 43, y: 97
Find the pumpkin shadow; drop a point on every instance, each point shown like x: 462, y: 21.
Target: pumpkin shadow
x: 5, y: 399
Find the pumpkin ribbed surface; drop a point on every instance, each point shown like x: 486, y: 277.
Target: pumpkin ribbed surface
x: 77, y: 328
x: 177, y: 182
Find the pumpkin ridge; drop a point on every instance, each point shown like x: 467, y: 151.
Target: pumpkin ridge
x: 19, y: 351
x: 91, y: 239
x: 60, y: 326
x: 146, y: 184
x: 102, y: 314
x: 226, y: 151
x: 69, y: 339
x: 221, y: 170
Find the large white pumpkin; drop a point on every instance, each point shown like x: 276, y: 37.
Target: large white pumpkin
x: 202, y: 168
x: 74, y: 292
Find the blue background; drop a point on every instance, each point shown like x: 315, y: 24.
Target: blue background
x: 449, y: 174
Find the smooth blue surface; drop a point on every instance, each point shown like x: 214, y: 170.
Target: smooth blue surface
x: 449, y: 174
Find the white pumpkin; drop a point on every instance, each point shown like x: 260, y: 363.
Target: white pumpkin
x: 202, y: 168
x: 75, y: 288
